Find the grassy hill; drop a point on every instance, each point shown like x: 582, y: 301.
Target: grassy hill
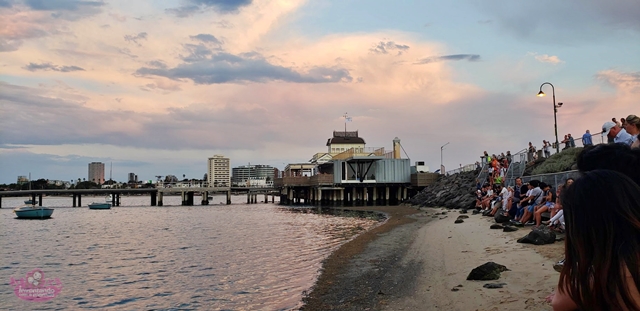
x: 559, y: 162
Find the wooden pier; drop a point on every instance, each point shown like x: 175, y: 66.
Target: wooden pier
x: 156, y: 195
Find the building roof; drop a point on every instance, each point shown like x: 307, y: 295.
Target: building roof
x: 345, y: 138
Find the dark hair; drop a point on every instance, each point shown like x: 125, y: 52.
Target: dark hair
x: 616, y: 157
x: 567, y: 181
x: 602, y: 213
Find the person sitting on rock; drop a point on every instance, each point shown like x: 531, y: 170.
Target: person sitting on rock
x: 556, y: 221
x: 548, y: 204
x: 486, y: 200
x: 534, y: 199
x: 503, y: 199
x: 480, y: 195
x: 523, y: 202
x: 516, y: 196
x: 601, y: 270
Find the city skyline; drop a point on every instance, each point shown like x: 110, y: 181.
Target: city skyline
x: 157, y: 87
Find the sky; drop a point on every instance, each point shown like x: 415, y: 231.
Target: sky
x: 157, y: 87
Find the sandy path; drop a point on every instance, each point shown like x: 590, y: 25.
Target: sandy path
x: 447, y: 252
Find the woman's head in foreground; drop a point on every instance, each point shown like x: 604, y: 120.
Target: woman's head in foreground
x: 602, y: 215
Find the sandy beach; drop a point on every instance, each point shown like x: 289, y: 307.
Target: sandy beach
x: 420, y: 261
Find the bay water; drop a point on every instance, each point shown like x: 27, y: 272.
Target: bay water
x: 137, y: 257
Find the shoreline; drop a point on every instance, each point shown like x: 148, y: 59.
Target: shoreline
x: 350, y: 276
x: 416, y: 259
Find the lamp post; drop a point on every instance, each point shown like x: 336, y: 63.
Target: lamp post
x: 442, y: 167
x: 555, y: 111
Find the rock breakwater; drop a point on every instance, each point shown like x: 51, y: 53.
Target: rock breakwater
x: 454, y: 191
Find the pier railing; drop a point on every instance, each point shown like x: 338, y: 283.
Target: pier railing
x: 321, y: 179
x: 299, y: 181
x: 360, y: 152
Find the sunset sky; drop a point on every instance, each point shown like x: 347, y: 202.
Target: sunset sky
x: 157, y: 87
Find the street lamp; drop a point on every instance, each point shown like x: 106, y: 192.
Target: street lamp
x: 441, y: 167
x: 555, y: 111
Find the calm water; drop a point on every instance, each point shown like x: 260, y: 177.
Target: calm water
x: 136, y: 257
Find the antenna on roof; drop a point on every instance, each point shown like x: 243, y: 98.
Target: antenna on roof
x: 346, y: 119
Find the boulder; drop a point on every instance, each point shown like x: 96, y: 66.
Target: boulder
x: 496, y: 226
x: 509, y: 229
x: 463, y: 216
x: 539, y: 236
x: 487, y: 271
x: 455, y: 191
x: 459, y: 221
x: 501, y: 218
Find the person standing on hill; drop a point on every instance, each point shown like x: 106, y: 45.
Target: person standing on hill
x: 572, y: 142
x: 546, y: 147
x: 531, y: 152
x: 586, y: 139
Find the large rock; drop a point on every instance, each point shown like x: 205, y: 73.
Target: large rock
x: 539, y: 236
x: 488, y: 271
x: 455, y: 191
x: 501, y: 218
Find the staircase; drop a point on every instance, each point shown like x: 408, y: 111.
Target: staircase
x: 516, y: 168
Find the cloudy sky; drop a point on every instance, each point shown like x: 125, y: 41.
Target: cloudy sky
x: 156, y: 87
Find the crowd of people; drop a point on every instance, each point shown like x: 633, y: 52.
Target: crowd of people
x: 599, y: 212
x: 624, y: 131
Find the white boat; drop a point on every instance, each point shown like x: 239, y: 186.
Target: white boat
x: 33, y: 212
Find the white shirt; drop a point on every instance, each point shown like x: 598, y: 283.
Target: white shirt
x: 489, y: 193
x: 624, y: 138
x: 505, y: 195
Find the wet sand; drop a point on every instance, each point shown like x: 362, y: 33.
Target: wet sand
x: 415, y: 259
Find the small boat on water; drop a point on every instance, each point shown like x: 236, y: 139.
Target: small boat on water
x: 95, y: 205
x: 98, y: 205
x: 31, y: 202
x: 33, y: 212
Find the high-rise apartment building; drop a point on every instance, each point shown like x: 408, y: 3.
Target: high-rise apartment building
x: 242, y: 173
x: 96, y: 172
x: 133, y: 178
x: 219, y: 172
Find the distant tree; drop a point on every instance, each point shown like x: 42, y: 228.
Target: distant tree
x: 87, y: 185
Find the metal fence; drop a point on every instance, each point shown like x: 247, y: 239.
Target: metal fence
x: 553, y: 179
